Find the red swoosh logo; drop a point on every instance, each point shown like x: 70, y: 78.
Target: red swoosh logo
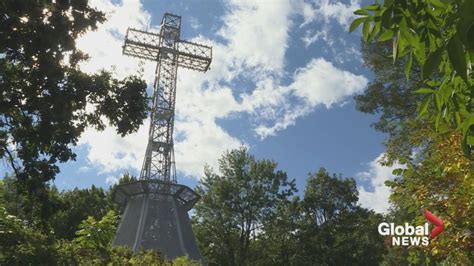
x: 437, y: 222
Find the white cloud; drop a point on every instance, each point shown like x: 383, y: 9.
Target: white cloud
x: 327, y: 22
x: 318, y: 83
x: 257, y: 32
x: 326, y: 10
x: 201, y: 139
x: 204, y: 143
x: 109, y: 152
x: 376, y: 176
x: 310, y: 38
x: 287, y: 119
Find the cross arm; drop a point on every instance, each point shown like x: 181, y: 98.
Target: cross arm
x: 194, y: 56
x: 142, y: 44
x: 146, y: 45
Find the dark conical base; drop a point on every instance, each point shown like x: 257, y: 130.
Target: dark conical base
x: 156, y: 217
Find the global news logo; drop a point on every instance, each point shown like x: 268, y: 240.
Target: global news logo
x: 408, y: 235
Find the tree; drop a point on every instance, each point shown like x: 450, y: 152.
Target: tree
x: 333, y: 229
x: 21, y: 244
x: 437, y: 35
x: 278, y: 244
x: 391, y: 95
x: 46, y: 99
x: 327, y: 197
x: 443, y: 183
x: 77, y: 205
x: 93, y: 246
x: 436, y: 177
x: 248, y: 216
x: 236, y: 204
x: 25, y: 208
x: 27, y: 239
x: 65, y: 209
x: 96, y: 237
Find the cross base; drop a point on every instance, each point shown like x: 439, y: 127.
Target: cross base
x: 156, y: 217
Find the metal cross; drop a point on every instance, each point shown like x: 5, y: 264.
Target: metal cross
x: 170, y: 52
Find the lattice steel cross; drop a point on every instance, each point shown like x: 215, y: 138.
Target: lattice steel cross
x: 170, y: 52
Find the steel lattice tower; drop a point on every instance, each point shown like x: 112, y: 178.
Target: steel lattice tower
x: 156, y: 215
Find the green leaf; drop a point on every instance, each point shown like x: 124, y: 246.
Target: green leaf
x: 386, y: 35
x: 466, y: 125
x: 425, y: 91
x: 424, y: 106
x: 457, y: 58
x: 438, y: 102
x: 356, y: 23
x: 394, y: 48
x: 403, y: 26
x: 372, y: 7
x: 375, y: 29
x: 362, y: 12
x: 431, y: 63
x: 457, y: 119
x: 388, y: 3
x: 365, y: 30
x: 397, y: 171
x: 420, y: 53
x: 408, y: 66
x: 438, y: 118
x: 432, y: 45
x: 403, y: 47
x: 439, y: 4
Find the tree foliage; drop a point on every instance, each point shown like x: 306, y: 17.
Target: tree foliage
x: 249, y: 216
x: 92, y: 243
x: 390, y: 95
x: 437, y: 35
x: 235, y: 204
x: 21, y: 244
x: 334, y: 230
x: 76, y: 205
x: 46, y: 100
x: 63, y: 213
x: 279, y: 244
x: 26, y: 207
x: 443, y: 183
x: 436, y: 175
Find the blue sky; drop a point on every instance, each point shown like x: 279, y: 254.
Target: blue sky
x: 282, y: 82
